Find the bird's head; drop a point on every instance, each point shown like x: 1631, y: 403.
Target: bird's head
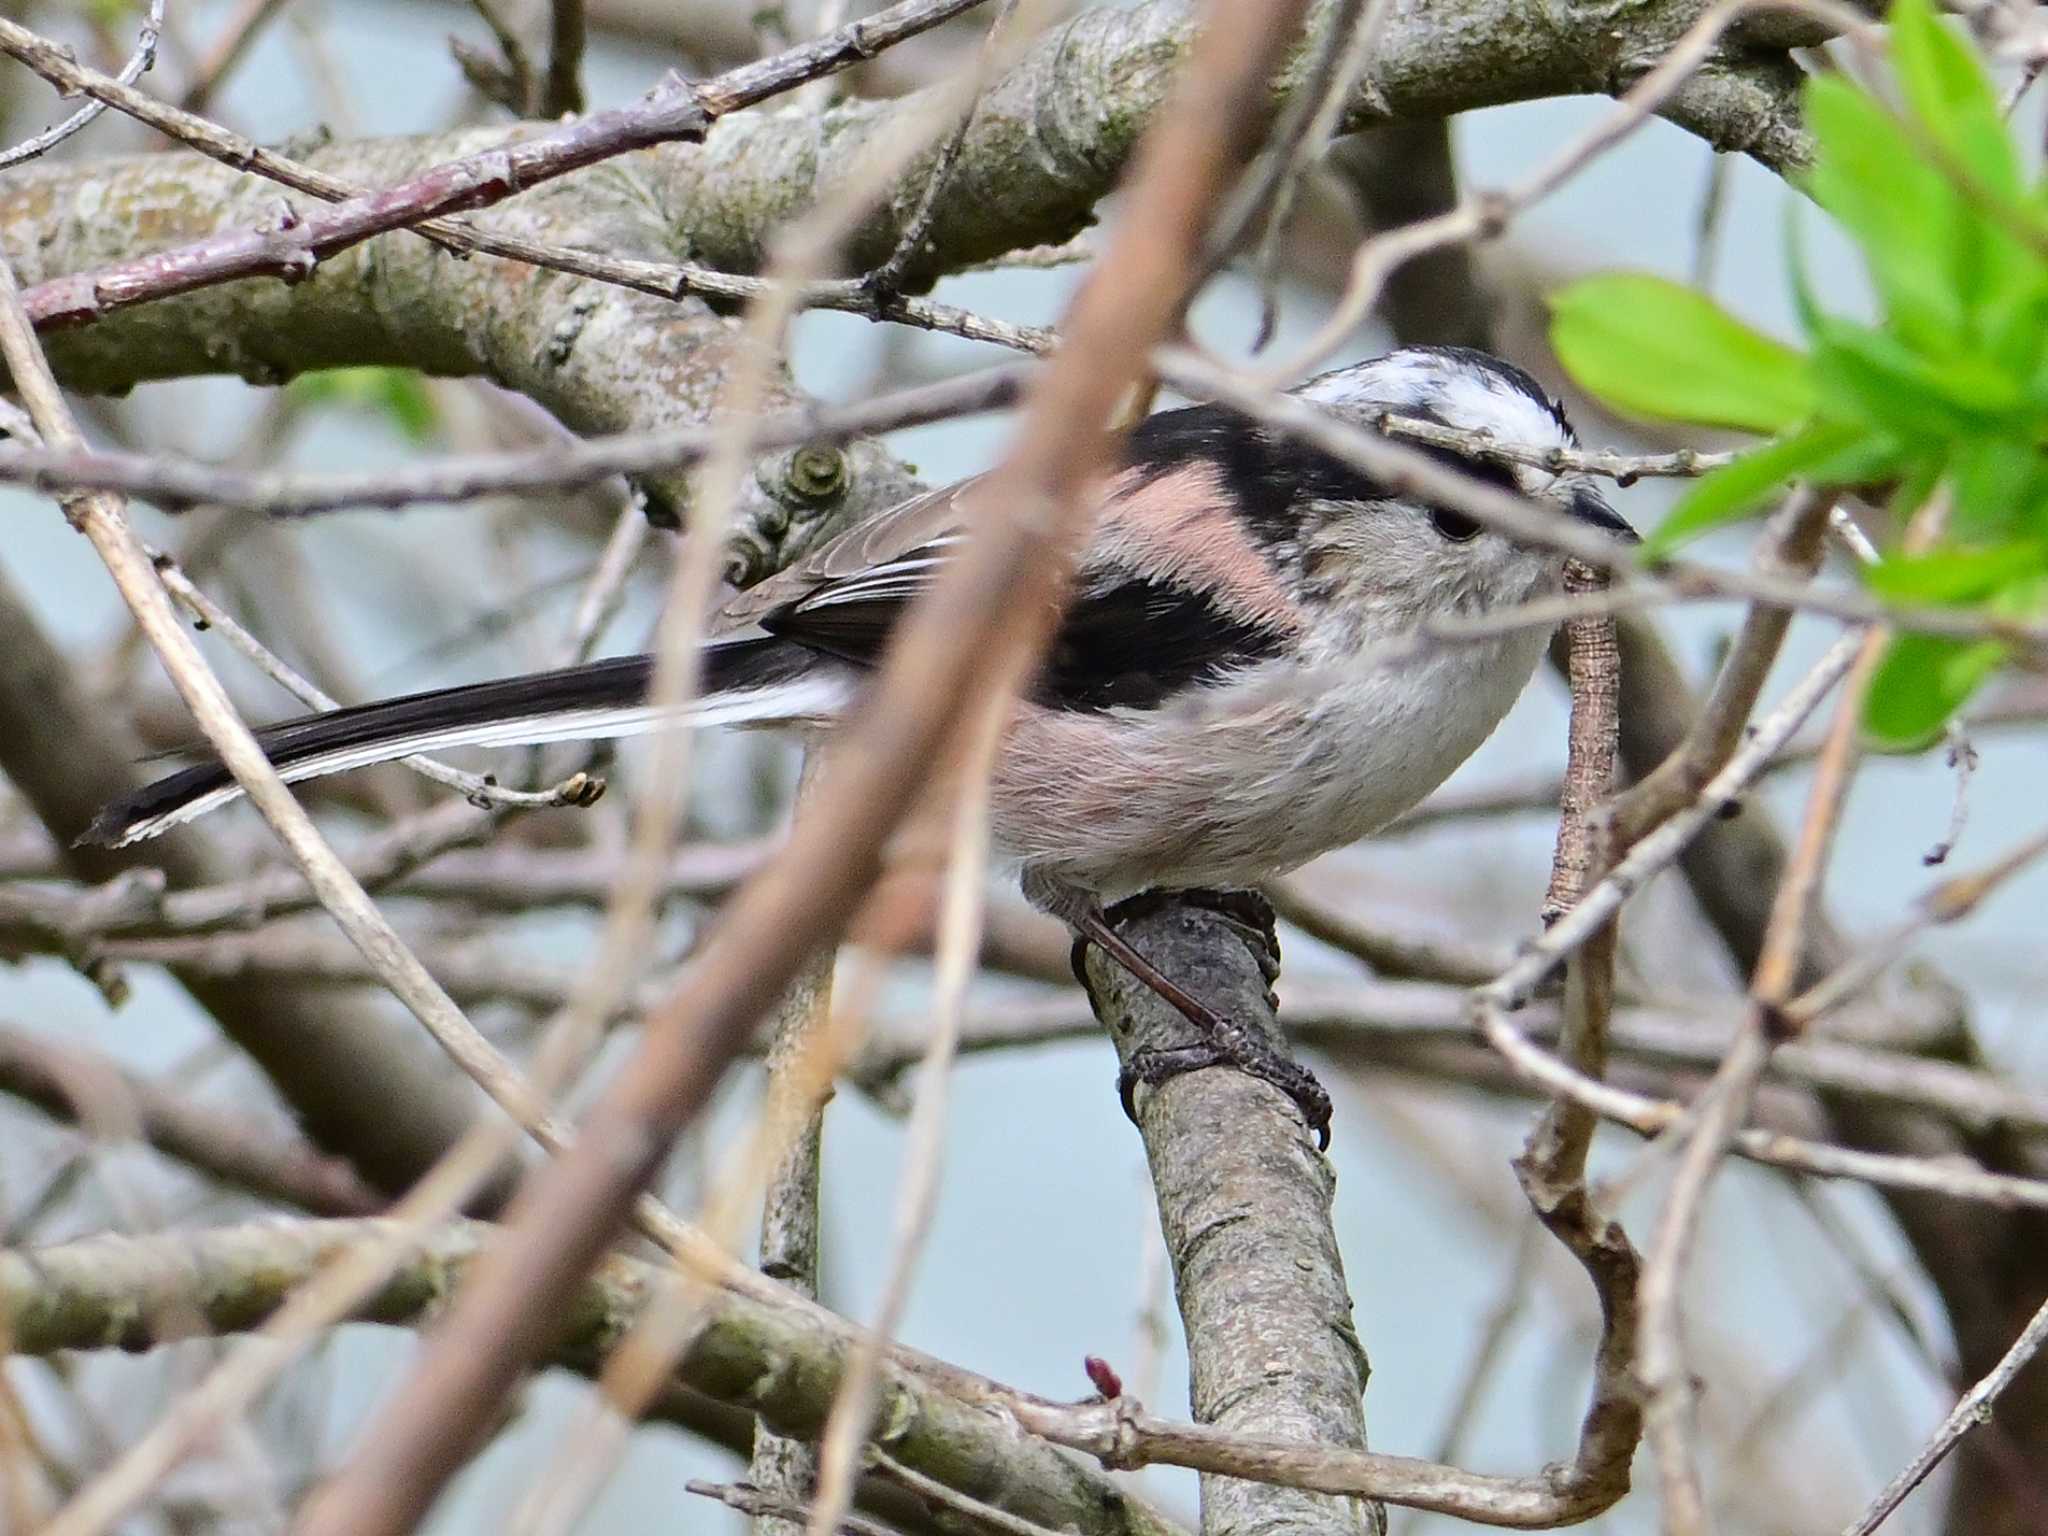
x: 1412, y: 554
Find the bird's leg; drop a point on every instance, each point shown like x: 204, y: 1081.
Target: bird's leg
x: 1224, y: 1042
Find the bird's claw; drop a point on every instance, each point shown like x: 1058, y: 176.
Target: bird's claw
x: 1225, y: 1042
x: 1156, y: 1065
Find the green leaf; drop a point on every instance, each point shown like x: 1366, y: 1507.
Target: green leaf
x: 1824, y: 451
x: 1656, y: 348
x: 2013, y: 320
x: 2000, y: 484
x: 1955, y: 575
x: 1922, y: 680
x: 1920, y: 477
x: 398, y: 394
x: 1905, y: 216
x: 1873, y: 376
x: 1805, y: 303
x: 1951, y: 95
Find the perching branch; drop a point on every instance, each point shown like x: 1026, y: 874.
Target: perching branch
x: 1244, y: 1198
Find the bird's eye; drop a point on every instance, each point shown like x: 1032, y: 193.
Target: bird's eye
x: 1455, y: 526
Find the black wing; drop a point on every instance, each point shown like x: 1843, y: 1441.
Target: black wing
x: 1124, y: 641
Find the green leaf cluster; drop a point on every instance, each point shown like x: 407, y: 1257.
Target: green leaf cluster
x: 1947, y: 393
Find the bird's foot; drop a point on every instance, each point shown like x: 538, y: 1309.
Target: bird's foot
x: 1153, y: 1067
x: 1225, y: 1041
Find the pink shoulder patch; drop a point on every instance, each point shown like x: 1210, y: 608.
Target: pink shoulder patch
x: 1178, y: 527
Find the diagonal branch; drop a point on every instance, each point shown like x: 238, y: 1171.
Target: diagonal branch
x: 990, y: 611
x: 290, y: 246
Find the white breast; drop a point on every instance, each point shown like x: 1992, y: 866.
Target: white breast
x: 1249, y: 779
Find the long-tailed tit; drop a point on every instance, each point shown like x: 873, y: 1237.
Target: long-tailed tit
x: 1219, y: 704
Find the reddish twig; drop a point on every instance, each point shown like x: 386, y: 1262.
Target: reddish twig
x: 295, y: 244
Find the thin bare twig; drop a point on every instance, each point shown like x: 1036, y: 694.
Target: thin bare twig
x: 579, y: 789
x: 1950, y: 901
x: 1724, y: 1105
x: 176, y: 485
x: 138, y: 64
x: 775, y: 1511
x: 1974, y: 1408
x: 1487, y: 213
x: 886, y: 280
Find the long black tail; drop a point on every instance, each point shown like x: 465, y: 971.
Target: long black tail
x: 746, y: 681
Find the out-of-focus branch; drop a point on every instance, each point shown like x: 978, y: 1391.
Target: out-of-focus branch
x: 1419, y: 1029
x: 362, y: 1086
x: 179, y: 484
x: 1244, y: 1199
x: 104, y: 1292
x: 1399, y: 174
x: 59, y: 1079
x: 1791, y: 546
x: 980, y: 624
x: 562, y: 86
x: 1979, y: 1259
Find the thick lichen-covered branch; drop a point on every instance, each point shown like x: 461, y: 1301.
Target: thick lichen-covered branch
x: 600, y: 357
x: 1048, y: 141
x: 119, y: 1293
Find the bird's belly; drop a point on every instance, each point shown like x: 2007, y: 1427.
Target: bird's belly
x: 1246, y: 781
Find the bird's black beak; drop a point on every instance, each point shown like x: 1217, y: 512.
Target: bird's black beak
x: 1588, y: 505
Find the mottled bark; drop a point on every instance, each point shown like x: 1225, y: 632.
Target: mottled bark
x: 114, y: 1292
x: 1047, y: 142
x: 1244, y: 1199
x: 600, y: 357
